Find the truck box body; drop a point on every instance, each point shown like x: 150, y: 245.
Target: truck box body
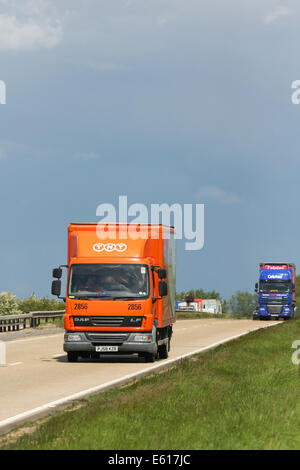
x: 112, y: 297
x: 277, y: 290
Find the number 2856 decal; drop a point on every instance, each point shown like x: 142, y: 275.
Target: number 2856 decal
x: 78, y: 306
x: 134, y: 307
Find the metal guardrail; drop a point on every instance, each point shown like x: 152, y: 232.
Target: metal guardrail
x: 27, y: 320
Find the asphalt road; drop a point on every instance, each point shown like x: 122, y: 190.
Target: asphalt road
x: 38, y: 378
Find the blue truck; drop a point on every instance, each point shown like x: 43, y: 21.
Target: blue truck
x: 276, y: 291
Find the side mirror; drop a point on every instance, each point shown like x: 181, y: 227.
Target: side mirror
x: 162, y: 273
x: 163, y: 288
x: 256, y: 287
x: 56, y: 288
x: 57, y: 272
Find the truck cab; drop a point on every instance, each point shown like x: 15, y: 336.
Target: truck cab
x: 276, y: 291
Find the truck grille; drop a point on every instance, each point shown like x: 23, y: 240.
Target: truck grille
x: 107, y: 321
x: 104, y: 338
x: 274, y: 309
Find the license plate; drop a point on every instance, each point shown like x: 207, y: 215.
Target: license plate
x: 107, y: 348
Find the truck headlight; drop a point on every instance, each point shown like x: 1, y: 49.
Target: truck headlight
x: 142, y: 338
x: 72, y: 337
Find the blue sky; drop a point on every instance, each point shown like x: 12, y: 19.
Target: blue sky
x: 162, y: 101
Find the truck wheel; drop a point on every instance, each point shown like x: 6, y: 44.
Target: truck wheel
x: 149, y: 357
x: 72, y: 356
x: 163, y: 351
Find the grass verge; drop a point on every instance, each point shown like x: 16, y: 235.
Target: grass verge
x: 242, y: 395
x: 191, y: 315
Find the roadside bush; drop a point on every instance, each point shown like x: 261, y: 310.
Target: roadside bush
x: 9, y: 304
x: 34, y: 304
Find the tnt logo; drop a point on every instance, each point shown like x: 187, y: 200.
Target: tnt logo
x: 110, y: 247
x: 2, y: 92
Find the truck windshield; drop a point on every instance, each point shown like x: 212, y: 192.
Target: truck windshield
x: 107, y: 281
x: 275, y: 286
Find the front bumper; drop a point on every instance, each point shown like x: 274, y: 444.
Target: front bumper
x: 263, y: 312
x: 87, y: 345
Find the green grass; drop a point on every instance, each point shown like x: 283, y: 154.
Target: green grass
x: 242, y: 395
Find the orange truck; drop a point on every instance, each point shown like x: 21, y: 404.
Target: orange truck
x: 120, y: 295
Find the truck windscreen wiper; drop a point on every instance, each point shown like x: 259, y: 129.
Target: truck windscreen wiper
x: 92, y: 296
x: 127, y: 297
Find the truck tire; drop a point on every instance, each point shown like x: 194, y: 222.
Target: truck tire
x: 72, y: 356
x: 149, y: 357
x: 163, y: 351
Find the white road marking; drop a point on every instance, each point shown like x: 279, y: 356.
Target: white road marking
x: 33, y: 338
x: 2, y: 354
x: 15, y: 363
x: 119, y: 381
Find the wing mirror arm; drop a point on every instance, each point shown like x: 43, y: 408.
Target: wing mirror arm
x: 56, y: 284
x: 161, y: 272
